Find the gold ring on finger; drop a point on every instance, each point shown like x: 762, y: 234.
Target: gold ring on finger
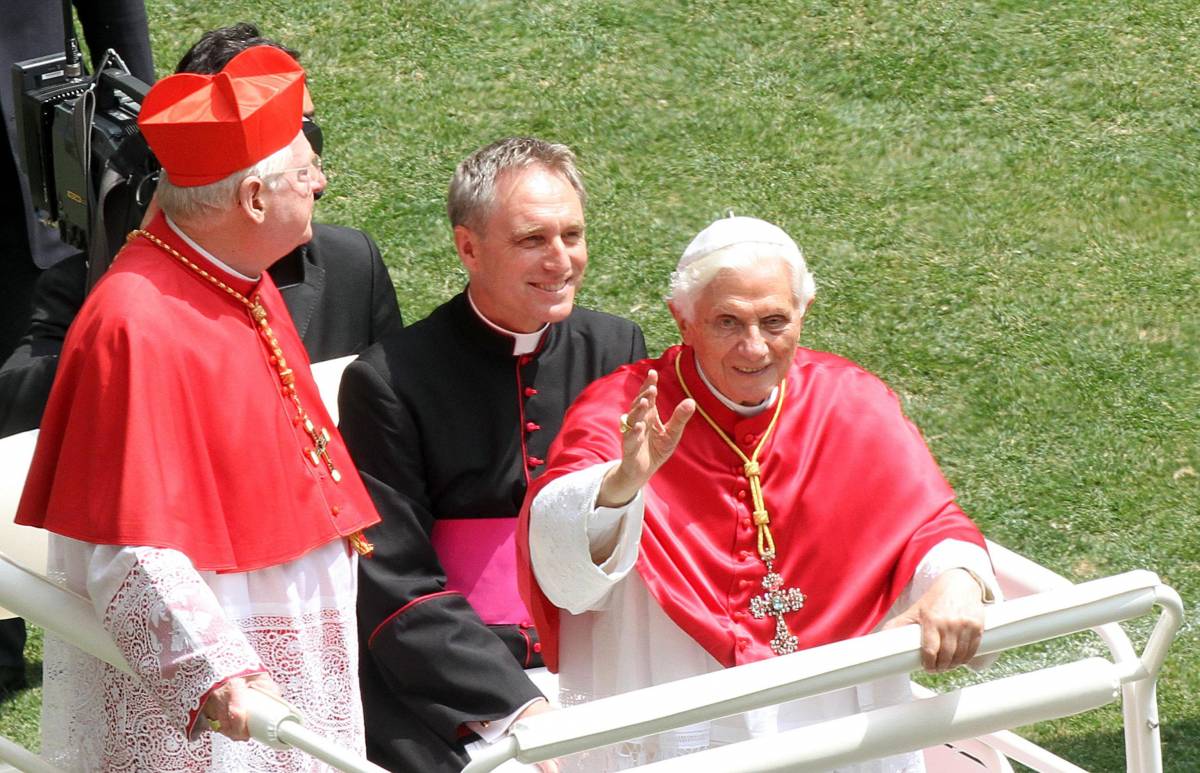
x: 214, y: 725
x: 625, y: 423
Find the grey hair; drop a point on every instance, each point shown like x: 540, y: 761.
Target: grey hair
x: 180, y: 202
x: 473, y: 187
x: 687, y: 283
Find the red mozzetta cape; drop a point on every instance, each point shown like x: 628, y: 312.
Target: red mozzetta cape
x: 167, y: 426
x: 854, y: 496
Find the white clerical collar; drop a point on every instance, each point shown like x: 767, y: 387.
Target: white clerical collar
x: 523, y: 343
x: 744, y: 410
x: 206, y: 254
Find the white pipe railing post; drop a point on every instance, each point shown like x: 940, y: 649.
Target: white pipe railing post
x: 1139, y: 707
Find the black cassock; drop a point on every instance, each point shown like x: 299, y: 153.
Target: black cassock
x: 446, y: 423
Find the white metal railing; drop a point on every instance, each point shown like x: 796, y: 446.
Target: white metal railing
x: 971, y: 711
x: 1019, y: 576
x: 983, y: 708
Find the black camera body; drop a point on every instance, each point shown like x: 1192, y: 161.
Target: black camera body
x: 89, y: 169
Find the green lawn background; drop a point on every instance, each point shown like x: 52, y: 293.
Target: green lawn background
x: 998, y: 200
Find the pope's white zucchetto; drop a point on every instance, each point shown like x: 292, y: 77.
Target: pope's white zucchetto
x: 737, y: 231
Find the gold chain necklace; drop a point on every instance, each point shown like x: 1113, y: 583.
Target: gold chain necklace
x: 775, y: 600
x: 318, y: 452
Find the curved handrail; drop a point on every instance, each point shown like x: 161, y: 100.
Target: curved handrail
x: 1020, y: 576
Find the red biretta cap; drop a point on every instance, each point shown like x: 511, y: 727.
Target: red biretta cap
x: 204, y: 128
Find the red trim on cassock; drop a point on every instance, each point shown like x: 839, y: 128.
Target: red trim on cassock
x: 528, y: 647
x: 855, y: 500
x: 405, y: 608
x: 519, y: 363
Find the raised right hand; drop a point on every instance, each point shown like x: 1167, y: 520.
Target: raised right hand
x: 646, y: 446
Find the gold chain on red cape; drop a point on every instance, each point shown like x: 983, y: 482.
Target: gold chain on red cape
x: 775, y: 599
x: 319, y: 451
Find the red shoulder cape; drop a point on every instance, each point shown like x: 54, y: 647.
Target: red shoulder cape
x: 166, y: 425
x: 855, y: 500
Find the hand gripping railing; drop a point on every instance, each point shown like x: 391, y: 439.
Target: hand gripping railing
x: 72, y: 618
x: 1035, y: 696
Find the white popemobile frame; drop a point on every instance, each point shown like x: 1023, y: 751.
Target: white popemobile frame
x: 1041, y: 605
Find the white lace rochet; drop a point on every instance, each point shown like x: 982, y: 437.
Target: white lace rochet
x: 183, y: 632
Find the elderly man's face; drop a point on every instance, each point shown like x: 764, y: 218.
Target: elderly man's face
x: 744, y: 328
x: 527, y: 258
x: 290, y: 198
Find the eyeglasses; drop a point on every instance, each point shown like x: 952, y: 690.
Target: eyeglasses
x: 304, y: 174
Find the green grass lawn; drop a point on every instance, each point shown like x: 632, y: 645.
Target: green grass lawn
x: 998, y: 200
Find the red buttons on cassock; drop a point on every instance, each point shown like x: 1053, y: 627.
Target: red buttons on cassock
x: 525, y: 624
x: 537, y: 646
x: 742, y: 644
x: 532, y: 426
x: 741, y: 493
x: 748, y: 439
x: 530, y: 391
x: 746, y: 523
x: 533, y: 461
x: 745, y: 583
x: 524, y: 359
x: 335, y: 509
x: 745, y: 555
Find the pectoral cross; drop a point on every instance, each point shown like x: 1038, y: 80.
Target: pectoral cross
x: 320, y: 449
x: 777, y: 601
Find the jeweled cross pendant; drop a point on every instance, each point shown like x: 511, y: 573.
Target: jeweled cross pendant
x: 777, y: 601
x: 320, y: 449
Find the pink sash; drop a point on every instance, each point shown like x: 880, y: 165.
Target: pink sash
x: 480, y: 559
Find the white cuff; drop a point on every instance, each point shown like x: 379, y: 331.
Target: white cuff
x: 489, y: 731
x: 957, y: 554
x: 575, y: 574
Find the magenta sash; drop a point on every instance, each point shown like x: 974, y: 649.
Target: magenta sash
x: 479, y: 556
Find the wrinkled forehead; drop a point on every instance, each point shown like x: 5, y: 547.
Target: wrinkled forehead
x: 756, y: 284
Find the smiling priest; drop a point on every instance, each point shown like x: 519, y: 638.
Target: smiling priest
x: 740, y: 498
x: 196, y: 490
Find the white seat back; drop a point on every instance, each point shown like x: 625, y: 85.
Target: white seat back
x: 23, y: 544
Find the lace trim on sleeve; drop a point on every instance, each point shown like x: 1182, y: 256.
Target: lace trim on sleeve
x: 173, y: 633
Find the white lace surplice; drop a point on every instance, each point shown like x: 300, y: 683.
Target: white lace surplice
x: 183, y: 632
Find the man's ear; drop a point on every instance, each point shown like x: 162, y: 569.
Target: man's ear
x: 467, y: 243
x: 803, y: 317
x: 250, y: 199
x: 681, y: 321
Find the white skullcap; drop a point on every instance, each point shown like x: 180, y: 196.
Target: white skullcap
x: 736, y: 231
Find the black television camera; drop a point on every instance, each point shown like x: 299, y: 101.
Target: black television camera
x: 89, y: 169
